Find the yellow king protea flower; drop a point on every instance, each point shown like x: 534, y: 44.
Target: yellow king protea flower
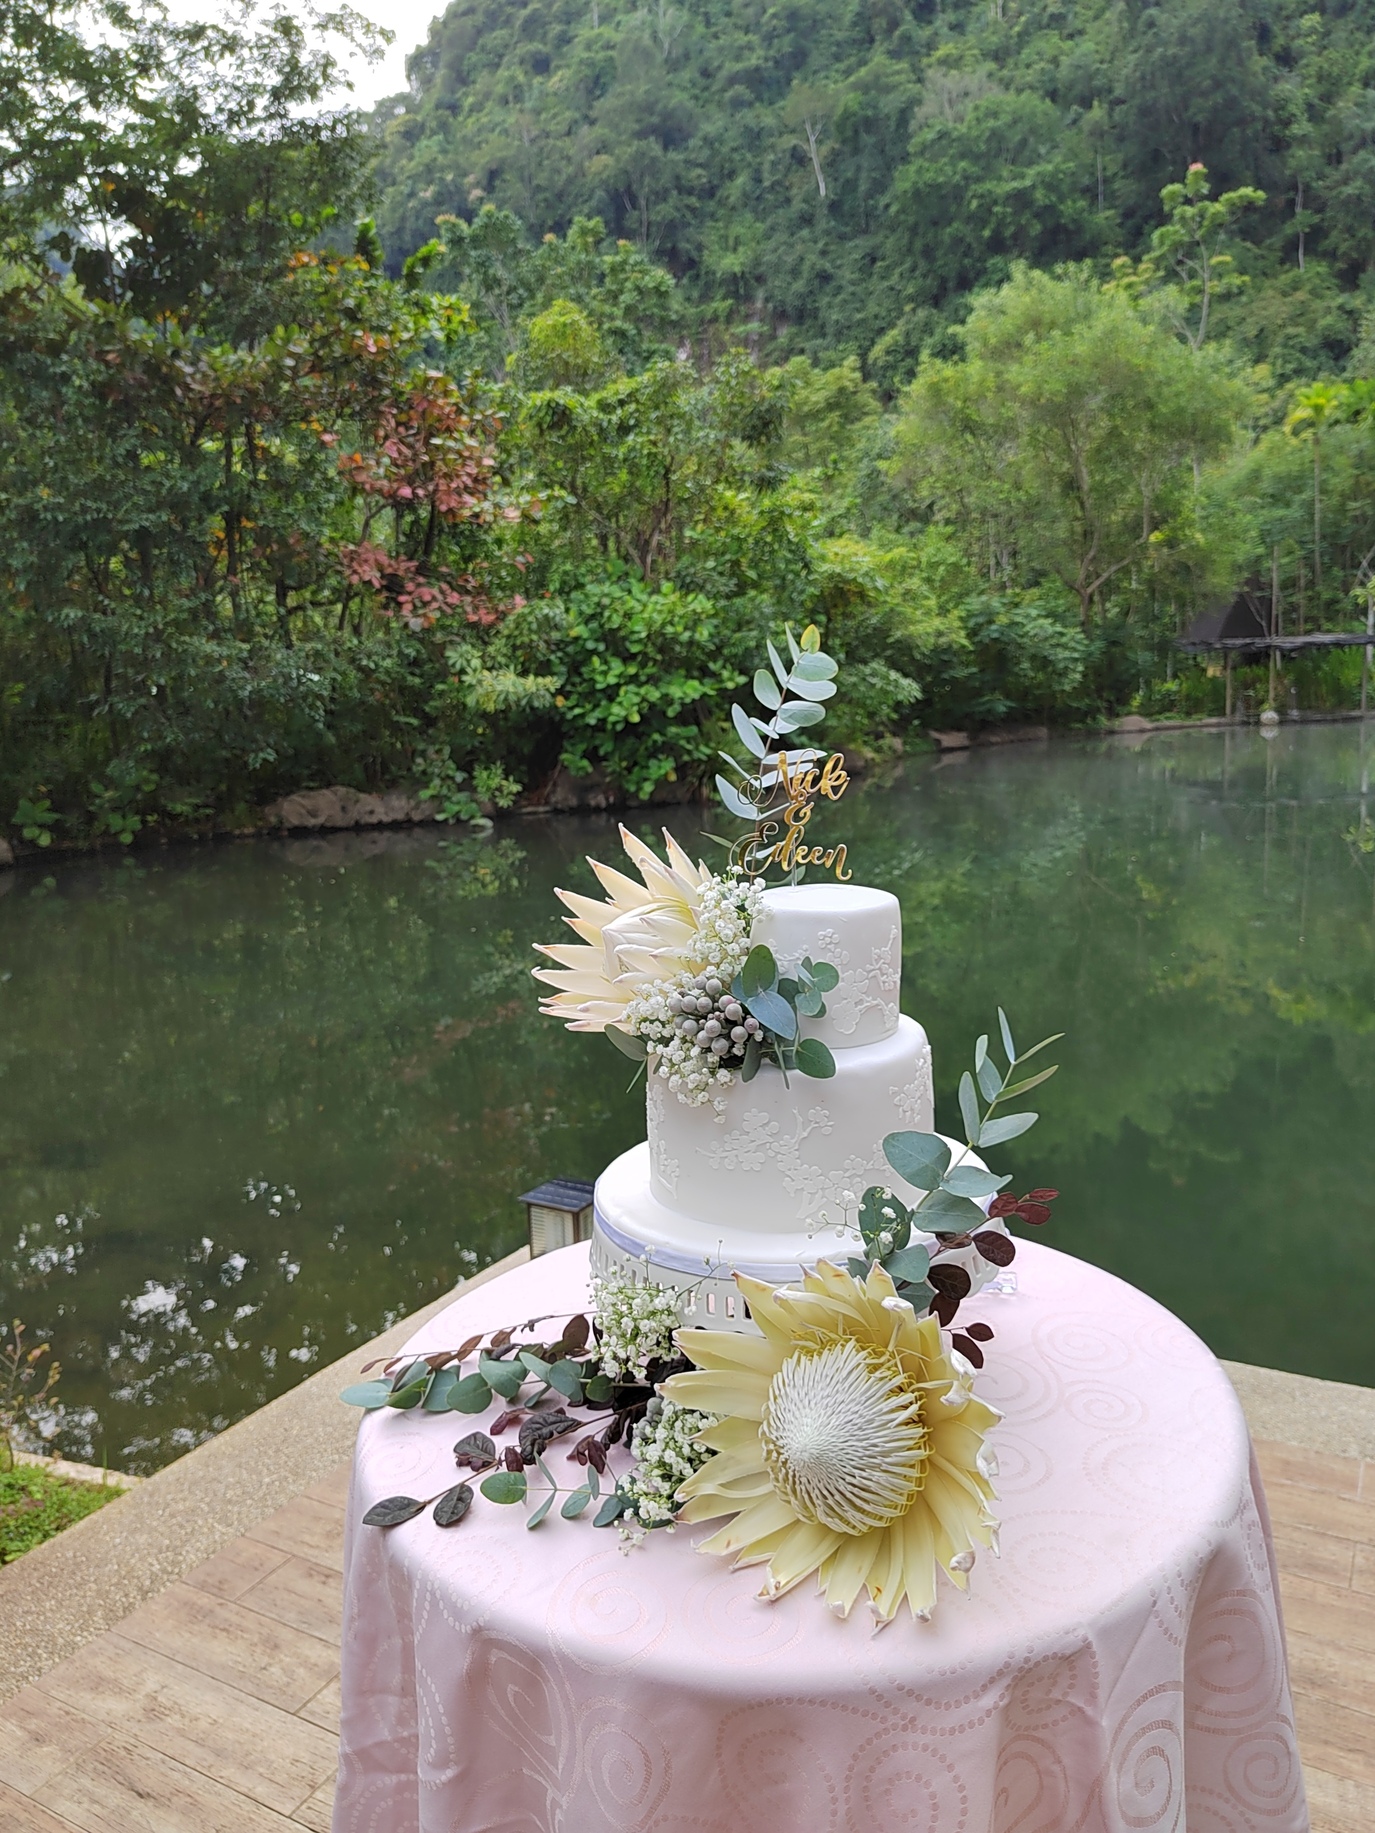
x: 847, y: 1442
x: 641, y: 933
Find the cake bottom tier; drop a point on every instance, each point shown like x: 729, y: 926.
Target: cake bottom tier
x: 634, y: 1233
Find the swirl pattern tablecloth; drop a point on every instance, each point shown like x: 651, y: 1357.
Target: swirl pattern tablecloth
x: 1120, y: 1669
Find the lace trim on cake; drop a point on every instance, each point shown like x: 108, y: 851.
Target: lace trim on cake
x: 873, y: 987
x: 758, y: 1143
x: 914, y: 1101
x: 665, y: 1166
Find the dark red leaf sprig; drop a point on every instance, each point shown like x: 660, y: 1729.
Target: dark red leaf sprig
x: 1033, y: 1208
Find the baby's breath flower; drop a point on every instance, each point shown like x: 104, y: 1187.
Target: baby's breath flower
x: 665, y: 1457
x: 635, y: 1324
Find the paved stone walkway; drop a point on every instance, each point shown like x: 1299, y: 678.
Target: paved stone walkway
x: 213, y: 1707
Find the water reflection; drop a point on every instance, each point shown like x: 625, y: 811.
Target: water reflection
x: 258, y: 1100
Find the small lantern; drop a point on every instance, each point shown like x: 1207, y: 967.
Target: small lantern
x: 560, y: 1213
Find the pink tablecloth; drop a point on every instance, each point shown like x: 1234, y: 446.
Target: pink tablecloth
x: 1120, y: 1668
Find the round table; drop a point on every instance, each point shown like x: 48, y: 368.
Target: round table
x: 1119, y: 1668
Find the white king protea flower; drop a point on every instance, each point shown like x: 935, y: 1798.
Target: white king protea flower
x: 642, y: 933
x: 847, y: 1442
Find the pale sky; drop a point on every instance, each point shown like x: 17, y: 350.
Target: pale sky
x: 408, y: 19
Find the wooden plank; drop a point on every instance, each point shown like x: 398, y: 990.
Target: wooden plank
x: 312, y: 1530
x: 1339, y: 1476
x: 1320, y: 1556
x: 1345, y: 1619
x: 1292, y: 1506
x: 231, y: 1571
x: 1337, y: 1804
x: 1363, y: 1571
x: 316, y: 1813
x: 333, y: 1490
x: 307, y: 1596
x: 20, y: 1815
x: 1335, y: 1740
x: 259, y: 1750
x: 120, y: 1786
x: 272, y: 1661
x: 1346, y: 1676
x: 324, y: 1708
x: 38, y: 1735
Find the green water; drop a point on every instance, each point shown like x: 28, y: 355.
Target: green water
x: 257, y: 1100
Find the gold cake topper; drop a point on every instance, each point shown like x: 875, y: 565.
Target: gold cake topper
x: 779, y: 795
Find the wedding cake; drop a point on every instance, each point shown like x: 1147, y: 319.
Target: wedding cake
x: 765, y: 1178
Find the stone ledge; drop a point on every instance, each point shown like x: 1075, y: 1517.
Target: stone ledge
x: 89, y: 1577
x: 1331, y: 1416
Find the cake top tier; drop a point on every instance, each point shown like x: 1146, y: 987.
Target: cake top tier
x: 859, y: 931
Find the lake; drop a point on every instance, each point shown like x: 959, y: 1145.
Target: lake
x: 258, y: 1099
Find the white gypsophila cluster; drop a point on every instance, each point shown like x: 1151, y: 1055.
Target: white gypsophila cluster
x: 665, y: 1457
x: 635, y: 1324
x: 695, y: 1032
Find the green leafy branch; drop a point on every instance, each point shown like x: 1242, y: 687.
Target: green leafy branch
x: 952, y: 1206
x: 777, y: 1002
x: 793, y: 696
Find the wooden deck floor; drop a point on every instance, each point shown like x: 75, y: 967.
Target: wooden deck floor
x: 214, y: 1707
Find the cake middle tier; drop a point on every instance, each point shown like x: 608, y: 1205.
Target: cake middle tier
x: 773, y: 1155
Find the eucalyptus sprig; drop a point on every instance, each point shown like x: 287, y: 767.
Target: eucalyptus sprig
x: 950, y: 1206
x: 793, y: 696
x: 776, y: 1001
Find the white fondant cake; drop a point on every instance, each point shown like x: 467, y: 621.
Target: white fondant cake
x: 766, y: 1177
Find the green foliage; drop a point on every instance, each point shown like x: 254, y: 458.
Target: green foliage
x: 644, y: 675
x: 36, y: 1503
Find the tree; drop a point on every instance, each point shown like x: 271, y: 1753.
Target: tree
x: 1188, y: 245
x: 1063, y: 445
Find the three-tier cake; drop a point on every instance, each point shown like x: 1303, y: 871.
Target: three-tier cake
x: 765, y: 1177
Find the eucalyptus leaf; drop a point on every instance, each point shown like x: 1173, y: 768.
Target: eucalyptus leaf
x: 367, y: 1394
x: 391, y: 1511
x: 860, y: 1268
x: 453, y: 1505
x: 1020, y: 1088
x: 611, y: 1510
x: 766, y: 689
x: 969, y: 1108
x: 812, y: 690
x: 542, y: 1510
x: 733, y: 763
x: 749, y: 1069
x: 825, y: 978
x: 909, y: 1263
x: 918, y: 1294
x: 749, y: 732
x: 921, y: 1159
x: 980, y: 1052
x: 811, y: 640
x: 633, y: 1047
x: 1008, y: 1044
x: 990, y: 1082
x: 944, y: 1213
x: 444, y: 1383
x: 1010, y: 1126
x: 407, y: 1397
x: 471, y: 1395
x: 793, y: 649
x: 810, y: 1003
x: 536, y: 1364
x: 772, y: 1011
x: 566, y: 1376
x: 798, y: 713
x: 814, y: 667
x: 760, y: 972
x: 505, y: 1486
x: 734, y: 801
x: 408, y: 1376
x: 777, y: 662
x: 973, y: 1181
x: 575, y: 1505
x: 598, y: 1390
x: 504, y: 1378
x: 814, y: 1059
